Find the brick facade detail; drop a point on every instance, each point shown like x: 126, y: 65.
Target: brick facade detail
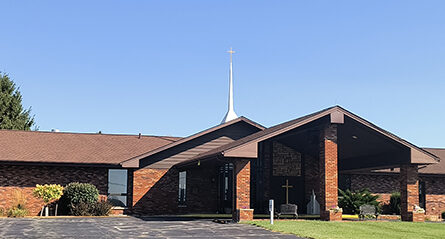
x: 25, y: 178
x: 385, y: 184
x: 409, y: 193
x: 329, y: 174
x: 242, y: 191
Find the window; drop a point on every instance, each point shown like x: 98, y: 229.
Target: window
x: 117, y: 187
x: 422, y: 195
x: 182, y: 187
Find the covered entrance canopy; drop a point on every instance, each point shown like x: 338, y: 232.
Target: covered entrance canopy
x: 308, y: 153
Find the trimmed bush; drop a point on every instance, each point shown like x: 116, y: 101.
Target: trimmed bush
x: 77, y: 194
x: 81, y: 192
x: 443, y: 215
x: 350, y: 201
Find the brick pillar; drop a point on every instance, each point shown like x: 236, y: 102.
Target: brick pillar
x: 329, y: 174
x: 409, y: 193
x: 241, y: 191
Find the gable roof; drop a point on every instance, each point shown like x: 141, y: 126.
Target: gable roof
x: 75, y: 148
x: 438, y: 168
x: 247, y: 146
x: 134, y: 162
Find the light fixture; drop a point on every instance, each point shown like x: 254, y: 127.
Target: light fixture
x: 354, y: 137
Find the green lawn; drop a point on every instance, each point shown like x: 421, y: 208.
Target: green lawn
x: 356, y: 229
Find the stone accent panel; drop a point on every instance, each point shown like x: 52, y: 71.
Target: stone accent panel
x: 285, y: 161
x: 25, y: 178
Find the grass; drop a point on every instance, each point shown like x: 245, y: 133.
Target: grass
x: 256, y: 216
x: 356, y: 229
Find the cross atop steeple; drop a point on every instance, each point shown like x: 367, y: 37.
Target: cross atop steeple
x: 230, y: 115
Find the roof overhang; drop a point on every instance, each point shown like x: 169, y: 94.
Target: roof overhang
x: 248, y: 147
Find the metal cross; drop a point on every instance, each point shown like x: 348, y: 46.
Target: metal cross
x: 231, y: 53
x: 287, y: 186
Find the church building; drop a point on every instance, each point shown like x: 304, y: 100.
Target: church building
x: 235, y: 167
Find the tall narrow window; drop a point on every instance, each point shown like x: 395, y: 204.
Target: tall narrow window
x: 422, y: 194
x: 117, y: 187
x: 182, y: 187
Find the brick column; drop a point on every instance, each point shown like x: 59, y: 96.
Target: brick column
x: 409, y: 193
x: 241, y: 191
x: 329, y: 174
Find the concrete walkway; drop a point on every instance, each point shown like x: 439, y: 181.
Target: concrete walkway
x: 127, y: 227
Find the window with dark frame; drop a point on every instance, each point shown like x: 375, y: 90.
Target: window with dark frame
x: 117, y: 187
x: 182, y: 188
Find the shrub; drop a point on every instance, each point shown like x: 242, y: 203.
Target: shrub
x: 78, y: 198
x: 350, y: 201
x: 443, y: 215
x: 48, y: 192
x: 18, y: 208
x: 81, y: 192
x: 2, y: 211
x: 394, y: 203
x: 102, y: 208
x: 81, y: 209
x: 17, y: 212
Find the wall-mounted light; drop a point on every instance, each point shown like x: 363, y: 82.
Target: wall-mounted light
x: 354, y: 137
x: 199, y: 162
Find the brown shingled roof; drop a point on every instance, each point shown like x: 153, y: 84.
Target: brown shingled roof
x: 75, y: 148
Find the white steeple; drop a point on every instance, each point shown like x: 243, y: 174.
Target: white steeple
x: 230, y: 115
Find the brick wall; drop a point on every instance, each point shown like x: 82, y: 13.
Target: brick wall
x: 242, y: 191
x: 311, y: 177
x: 328, y: 173
x: 25, y: 178
x: 155, y: 191
x: 385, y: 184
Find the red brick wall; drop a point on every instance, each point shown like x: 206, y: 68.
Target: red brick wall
x: 242, y: 179
x: 155, y: 191
x: 25, y: 178
x: 242, y: 191
x: 328, y: 174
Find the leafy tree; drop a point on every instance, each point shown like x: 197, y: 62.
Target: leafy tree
x: 350, y: 201
x: 12, y: 114
x: 48, y: 192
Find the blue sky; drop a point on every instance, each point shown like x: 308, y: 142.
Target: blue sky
x: 161, y: 67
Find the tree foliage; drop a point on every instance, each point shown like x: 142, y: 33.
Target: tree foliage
x: 350, y: 201
x: 12, y: 114
x: 48, y: 192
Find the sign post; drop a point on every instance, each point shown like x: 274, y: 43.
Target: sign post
x: 271, y: 208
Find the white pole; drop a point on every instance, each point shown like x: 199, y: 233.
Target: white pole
x: 271, y: 209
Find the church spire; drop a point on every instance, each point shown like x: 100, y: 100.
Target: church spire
x: 230, y: 115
